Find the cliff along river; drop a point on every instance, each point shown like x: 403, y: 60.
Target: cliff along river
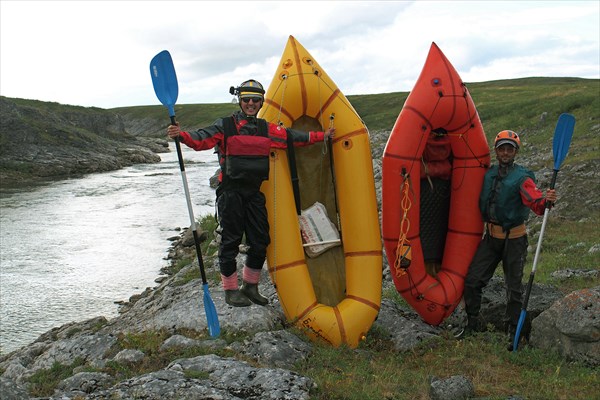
x: 70, y: 249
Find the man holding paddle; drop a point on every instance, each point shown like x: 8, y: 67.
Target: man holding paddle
x: 243, y: 142
x: 509, y: 192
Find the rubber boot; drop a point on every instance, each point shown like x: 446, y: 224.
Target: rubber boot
x: 250, y: 290
x: 471, y: 328
x: 236, y: 298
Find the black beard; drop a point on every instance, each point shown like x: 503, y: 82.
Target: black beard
x: 503, y: 168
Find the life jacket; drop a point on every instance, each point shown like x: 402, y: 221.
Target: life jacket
x: 500, y: 200
x: 245, y: 157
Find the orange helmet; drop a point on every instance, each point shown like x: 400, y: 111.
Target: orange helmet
x: 507, y: 137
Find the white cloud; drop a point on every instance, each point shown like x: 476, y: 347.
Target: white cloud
x: 97, y: 53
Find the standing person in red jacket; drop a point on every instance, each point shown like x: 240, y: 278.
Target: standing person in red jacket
x: 243, y: 143
x: 509, y: 192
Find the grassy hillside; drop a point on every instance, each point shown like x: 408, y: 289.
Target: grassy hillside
x: 508, y: 104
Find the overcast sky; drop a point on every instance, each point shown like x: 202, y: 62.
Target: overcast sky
x: 97, y: 53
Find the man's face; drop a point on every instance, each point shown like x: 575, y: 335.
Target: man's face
x: 506, y: 153
x: 251, y: 105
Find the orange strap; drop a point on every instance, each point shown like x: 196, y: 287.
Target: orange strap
x: 403, y: 251
x: 496, y: 231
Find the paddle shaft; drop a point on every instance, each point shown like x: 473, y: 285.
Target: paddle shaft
x: 532, y: 274
x: 189, y: 204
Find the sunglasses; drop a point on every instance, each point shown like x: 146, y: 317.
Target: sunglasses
x: 254, y: 99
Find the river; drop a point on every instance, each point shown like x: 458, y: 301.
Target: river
x: 69, y: 249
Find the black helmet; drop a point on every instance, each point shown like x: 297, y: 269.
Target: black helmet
x: 249, y: 88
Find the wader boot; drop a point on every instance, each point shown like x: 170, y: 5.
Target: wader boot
x: 471, y: 328
x: 250, y: 290
x: 236, y: 298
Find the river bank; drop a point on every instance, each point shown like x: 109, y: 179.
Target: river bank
x: 42, y: 141
x: 71, y: 248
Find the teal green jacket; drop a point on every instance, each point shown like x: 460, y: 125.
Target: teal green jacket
x: 500, y: 199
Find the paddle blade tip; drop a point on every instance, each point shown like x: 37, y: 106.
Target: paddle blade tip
x: 164, y: 80
x: 562, y: 138
x: 212, y: 319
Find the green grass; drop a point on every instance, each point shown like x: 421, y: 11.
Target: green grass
x: 566, y: 244
x: 43, y: 382
x: 207, y: 224
x: 376, y: 371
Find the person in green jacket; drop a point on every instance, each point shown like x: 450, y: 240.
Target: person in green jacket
x: 509, y: 192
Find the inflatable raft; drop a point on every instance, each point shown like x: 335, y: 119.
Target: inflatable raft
x: 334, y: 296
x: 432, y: 173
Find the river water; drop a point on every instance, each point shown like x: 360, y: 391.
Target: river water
x: 69, y: 249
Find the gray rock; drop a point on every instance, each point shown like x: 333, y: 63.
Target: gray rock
x: 278, y: 348
x: 566, y: 274
x: 405, y: 328
x: 493, y: 303
x: 179, y: 341
x: 129, y: 356
x: 84, y: 383
x: 65, y: 351
x: 182, y: 342
x: 14, y: 370
x: 181, y: 306
x: 241, y: 379
x: 571, y: 327
x: 162, y: 385
x: 453, y: 388
x: 11, y: 390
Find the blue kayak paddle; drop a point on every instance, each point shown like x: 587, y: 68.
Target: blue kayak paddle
x: 560, y: 146
x: 166, y: 88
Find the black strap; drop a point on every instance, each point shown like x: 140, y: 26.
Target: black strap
x: 293, y: 170
x: 230, y: 130
x: 262, y: 127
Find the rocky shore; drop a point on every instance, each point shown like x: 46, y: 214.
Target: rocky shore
x: 255, y: 359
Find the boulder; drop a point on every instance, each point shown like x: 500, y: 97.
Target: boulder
x: 571, y: 326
